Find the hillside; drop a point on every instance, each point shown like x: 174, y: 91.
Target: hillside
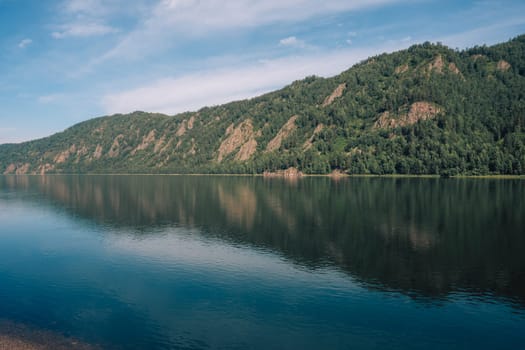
x: 425, y: 110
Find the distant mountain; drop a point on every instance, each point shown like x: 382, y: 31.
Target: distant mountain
x: 424, y: 110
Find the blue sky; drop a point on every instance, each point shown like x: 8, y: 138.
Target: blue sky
x: 65, y: 61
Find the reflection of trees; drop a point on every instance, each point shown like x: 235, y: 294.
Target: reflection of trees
x: 422, y: 236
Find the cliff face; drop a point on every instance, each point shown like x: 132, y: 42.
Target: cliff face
x: 427, y: 110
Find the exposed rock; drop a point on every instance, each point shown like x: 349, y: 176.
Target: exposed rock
x: 115, y: 147
x: 477, y: 57
x: 146, y: 141
x: 98, y: 130
x: 418, y: 111
x: 166, y: 146
x: 503, y: 65
x: 384, y: 121
x: 98, y: 152
x: 237, y: 137
x: 159, y: 144
x: 61, y: 157
x: 191, y: 122
x: 182, y: 129
x: 436, y: 65
x: 308, y: 144
x: 338, y: 92
x: 288, y: 173
x: 247, y: 150
x: 23, y: 169
x: 82, y: 151
x: 337, y: 174
x: 401, y: 69
x: 45, y: 168
x: 421, y: 111
x: 11, y: 168
x: 230, y: 129
x: 283, y: 133
x: 454, y: 69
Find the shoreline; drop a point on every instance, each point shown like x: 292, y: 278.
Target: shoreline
x: 331, y: 175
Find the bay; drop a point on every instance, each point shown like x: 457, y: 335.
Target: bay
x: 198, y: 262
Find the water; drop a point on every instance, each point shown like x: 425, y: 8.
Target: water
x: 173, y: 262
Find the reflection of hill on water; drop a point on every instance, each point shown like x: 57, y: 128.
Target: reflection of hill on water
x: 422, y: 236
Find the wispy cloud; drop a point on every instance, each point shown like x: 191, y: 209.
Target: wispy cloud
x: 86, y: 18
x: 351, y: 35
x: 104, y: 8
x: 192, y: 91
x: 83, y: 30
x: 25, y: 43
x: 292, y: 41
x: 91, y: 7
x: 247, y: 13
x: 171, y: 18
x: 49, y: 98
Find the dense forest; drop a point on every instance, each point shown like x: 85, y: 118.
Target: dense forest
x: 425, y: 110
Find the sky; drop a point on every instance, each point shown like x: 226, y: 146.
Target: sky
x: 66, y: 61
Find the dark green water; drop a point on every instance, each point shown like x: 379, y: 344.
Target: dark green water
x: 161, y: 262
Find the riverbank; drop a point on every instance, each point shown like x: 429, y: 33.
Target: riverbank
x: 329, y: 175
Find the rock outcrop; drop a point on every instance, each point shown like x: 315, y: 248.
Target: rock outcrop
x: 283, y: 133
x: 418, y: 111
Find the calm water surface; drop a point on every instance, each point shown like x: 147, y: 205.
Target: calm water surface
x: 171, y: 262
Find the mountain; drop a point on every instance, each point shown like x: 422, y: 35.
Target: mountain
x: 425, y: 110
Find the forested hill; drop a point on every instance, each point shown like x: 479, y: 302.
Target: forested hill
x: 425, y: 110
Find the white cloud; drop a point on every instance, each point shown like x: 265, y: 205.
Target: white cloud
x: 24, y: 43
x: 49, y: 98
x: 351, y: 35
x: 246, y: 13
x: 86, y: 6
x: 170, y: 18
x: 86, y: 18
x: 93, y: 8
x: 292, y: 41
x: 206, y: 88
x: 83, y: 30
x: 404, y: 41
